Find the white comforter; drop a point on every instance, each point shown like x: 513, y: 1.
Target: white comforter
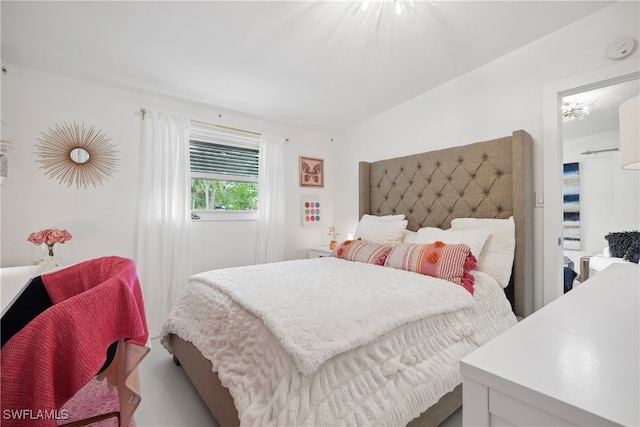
x: 381, y: 355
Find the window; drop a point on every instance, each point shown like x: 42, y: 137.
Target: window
x: 224, y: 170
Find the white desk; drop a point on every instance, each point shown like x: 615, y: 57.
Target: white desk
x: 12, y: 280
x: 574, y: 362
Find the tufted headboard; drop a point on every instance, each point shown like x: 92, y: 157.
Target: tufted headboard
x: 489, y: 179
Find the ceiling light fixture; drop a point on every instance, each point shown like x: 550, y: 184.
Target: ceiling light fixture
x: 381, y: 12
x: 576, y: 110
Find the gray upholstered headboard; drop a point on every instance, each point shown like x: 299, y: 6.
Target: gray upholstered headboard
x: 490, y: 179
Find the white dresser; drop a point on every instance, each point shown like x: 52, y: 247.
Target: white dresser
x: 574, y: 362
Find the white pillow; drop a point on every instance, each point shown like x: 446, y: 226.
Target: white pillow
x: 497, y: 255
x: 475, y: 239
x: 381, y: 229
x: 409, y: 236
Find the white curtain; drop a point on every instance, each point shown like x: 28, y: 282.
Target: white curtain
x: 270, y: 242
x: 164, y: 216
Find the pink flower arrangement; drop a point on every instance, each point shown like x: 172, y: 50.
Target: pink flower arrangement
x: 50, y: 237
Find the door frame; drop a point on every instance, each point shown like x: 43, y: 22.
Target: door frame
x: 553, y: 93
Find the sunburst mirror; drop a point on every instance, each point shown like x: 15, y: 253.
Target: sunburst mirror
x: 76, y: 154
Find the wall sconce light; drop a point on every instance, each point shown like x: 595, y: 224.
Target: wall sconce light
x: 629, y: 133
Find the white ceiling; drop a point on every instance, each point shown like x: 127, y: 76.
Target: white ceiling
x: 605, y: 116
x: 305, y: 63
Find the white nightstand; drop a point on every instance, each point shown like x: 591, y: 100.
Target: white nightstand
x: 584, y: 268
x: 319, y: 252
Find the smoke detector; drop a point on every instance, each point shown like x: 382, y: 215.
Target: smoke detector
x: 620, y: 48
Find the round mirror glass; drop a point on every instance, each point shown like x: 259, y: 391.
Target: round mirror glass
x: 79, y: 155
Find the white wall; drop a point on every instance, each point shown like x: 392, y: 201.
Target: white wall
x: 102, y: 219
x: 486, y: 103
x: 609, y: 195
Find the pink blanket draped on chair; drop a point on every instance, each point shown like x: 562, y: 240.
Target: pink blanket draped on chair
x: 95, y: 303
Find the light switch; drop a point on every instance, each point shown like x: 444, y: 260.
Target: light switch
x: 538, y: 200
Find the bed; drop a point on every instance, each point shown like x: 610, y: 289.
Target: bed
x: 597, y: 263
x: 489, y: 180
x: 569, y: 273
x: 622, y: 247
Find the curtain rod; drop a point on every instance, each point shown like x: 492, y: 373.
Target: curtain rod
x: 143, y: 111
x: 600, y: 151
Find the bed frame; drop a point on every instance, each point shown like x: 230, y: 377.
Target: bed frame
x: 490, y: 179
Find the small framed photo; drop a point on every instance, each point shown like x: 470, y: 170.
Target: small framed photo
x: 310, y: 211
x: 311, y: 172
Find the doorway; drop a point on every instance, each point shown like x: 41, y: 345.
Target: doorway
x: 598, y: 195
x: 553, y: 95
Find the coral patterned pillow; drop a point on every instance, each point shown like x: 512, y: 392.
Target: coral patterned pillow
x: 362, y: 251
x: 452, y: 262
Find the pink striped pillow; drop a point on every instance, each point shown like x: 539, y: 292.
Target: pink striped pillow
x: 362, y: 251
x: 452, y: 262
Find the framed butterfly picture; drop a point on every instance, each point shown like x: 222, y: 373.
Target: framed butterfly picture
x: 311, y: 172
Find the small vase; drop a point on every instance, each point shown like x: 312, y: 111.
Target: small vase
x: 333, y: 244
x: 44, y: 256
